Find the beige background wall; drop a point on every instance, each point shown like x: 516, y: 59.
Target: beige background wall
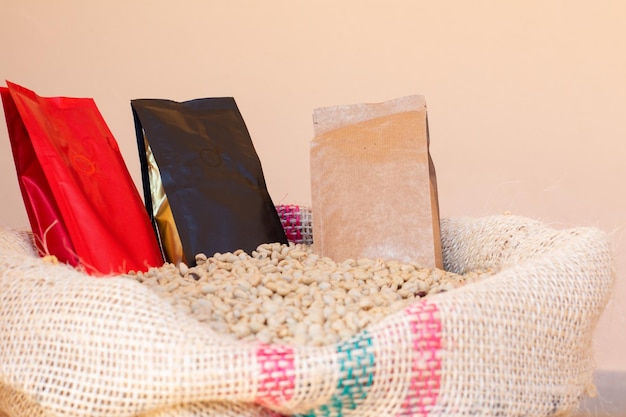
x: 527, y: 98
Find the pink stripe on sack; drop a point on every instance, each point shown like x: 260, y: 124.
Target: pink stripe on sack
x: 426, y: 365
x: 290, y: 215
x: 277, y: 377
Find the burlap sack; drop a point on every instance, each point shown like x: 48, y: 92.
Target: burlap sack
x: 518, y: 343
x: 297, y: 222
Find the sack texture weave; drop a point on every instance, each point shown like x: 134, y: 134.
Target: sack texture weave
x: 297, y: 222
x: 516, y: 344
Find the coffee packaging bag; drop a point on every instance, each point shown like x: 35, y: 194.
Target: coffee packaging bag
x: 373, y: 183
x: 204, y: 187
x: 82, y: 205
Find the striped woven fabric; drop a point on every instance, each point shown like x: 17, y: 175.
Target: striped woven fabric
x: 516, y: 344
x: 297, y: 222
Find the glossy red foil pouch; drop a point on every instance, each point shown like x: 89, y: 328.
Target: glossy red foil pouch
x: 82, y: 204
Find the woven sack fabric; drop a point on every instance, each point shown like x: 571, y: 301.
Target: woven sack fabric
x: 297, y: 223
x: 515, y: 344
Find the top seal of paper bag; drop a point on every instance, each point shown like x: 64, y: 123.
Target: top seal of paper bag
x: 330, y: 118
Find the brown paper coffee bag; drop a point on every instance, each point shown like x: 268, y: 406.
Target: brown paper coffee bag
x: 373, y: 183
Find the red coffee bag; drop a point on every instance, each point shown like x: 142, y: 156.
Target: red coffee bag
x: 82, y: 204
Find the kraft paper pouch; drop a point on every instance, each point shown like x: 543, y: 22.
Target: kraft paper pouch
x: 373, y: 183
x: 203, y: 182
x: 82, y: 204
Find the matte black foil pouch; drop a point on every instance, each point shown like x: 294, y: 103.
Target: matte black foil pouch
x: 203, y: 182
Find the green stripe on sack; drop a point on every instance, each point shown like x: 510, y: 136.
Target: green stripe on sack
x: 356, y: 365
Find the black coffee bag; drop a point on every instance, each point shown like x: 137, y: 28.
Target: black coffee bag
x: 203, y: 182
